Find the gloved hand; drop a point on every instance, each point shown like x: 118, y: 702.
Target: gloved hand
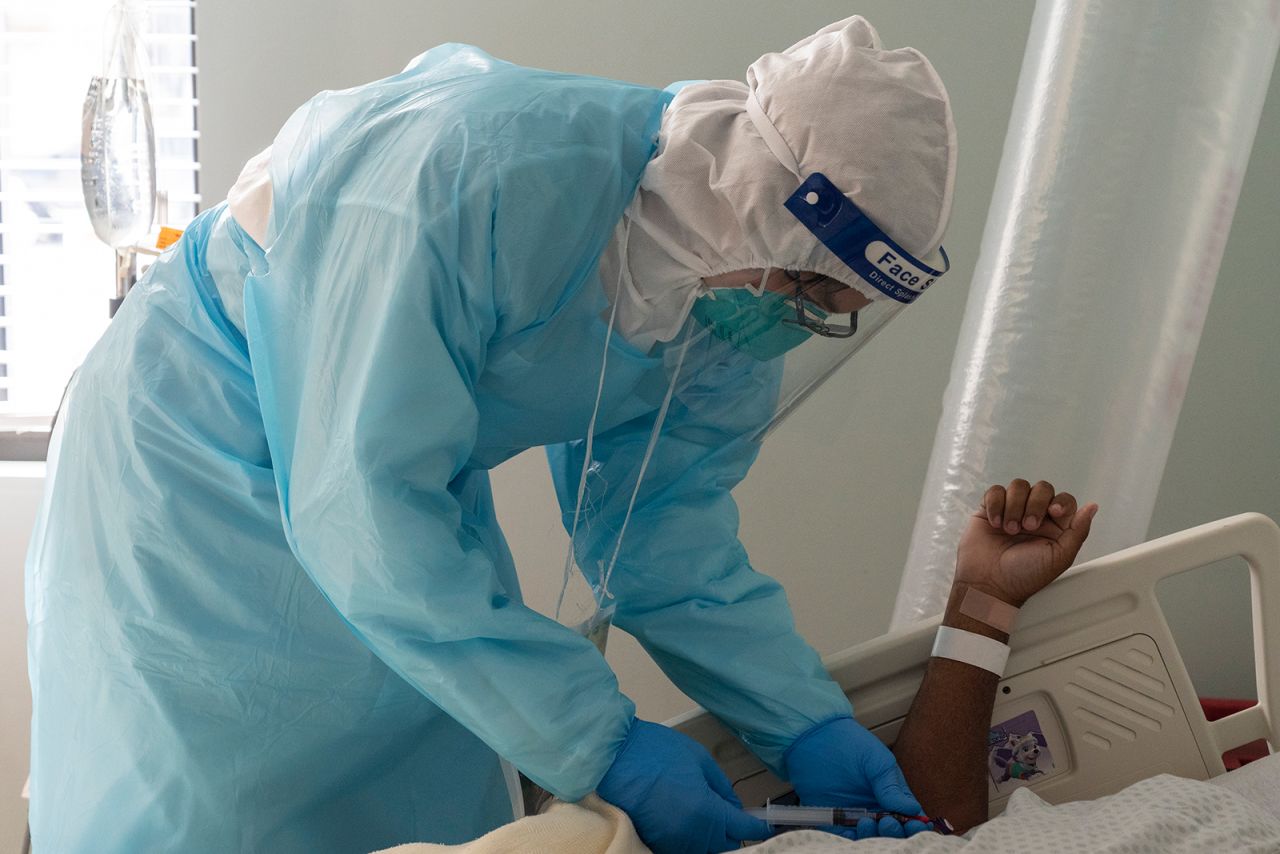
x: 677, y: 797
x: 840, y: 764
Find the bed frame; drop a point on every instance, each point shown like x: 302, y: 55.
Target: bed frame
x: 1093, y: 658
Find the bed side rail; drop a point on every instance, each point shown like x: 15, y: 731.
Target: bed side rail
x: 1106, y: 604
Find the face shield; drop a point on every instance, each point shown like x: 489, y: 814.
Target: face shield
x: 869, y: 261
x: 816, y: 322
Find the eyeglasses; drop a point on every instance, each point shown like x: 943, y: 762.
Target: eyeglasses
x: 812, y: 316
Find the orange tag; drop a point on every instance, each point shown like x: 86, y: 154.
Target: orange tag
x: 168, y: 237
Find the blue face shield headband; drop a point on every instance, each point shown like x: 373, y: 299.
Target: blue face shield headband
x: 858, y: 242
x: 761, y: 325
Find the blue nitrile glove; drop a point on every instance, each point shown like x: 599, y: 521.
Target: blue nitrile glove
x: 677, y: 797
x: 839, y: 763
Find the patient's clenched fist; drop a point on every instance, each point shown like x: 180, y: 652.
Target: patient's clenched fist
x: 1021, y: 539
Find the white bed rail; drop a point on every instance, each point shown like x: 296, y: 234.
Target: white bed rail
x: 1256, y: 539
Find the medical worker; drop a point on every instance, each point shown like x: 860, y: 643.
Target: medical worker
x: 270, y: 606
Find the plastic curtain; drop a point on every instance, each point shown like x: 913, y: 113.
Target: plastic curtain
x: 1130, y: 133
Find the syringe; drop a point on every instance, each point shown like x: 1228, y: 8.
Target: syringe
x: 781, y: 815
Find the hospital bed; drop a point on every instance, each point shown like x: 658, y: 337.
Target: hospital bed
x: 1094, y: 677
x: 1095, y: 666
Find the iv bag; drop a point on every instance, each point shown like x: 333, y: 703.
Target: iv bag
x: 118, y: 142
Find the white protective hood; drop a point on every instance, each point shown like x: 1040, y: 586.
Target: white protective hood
x: 877, y: 122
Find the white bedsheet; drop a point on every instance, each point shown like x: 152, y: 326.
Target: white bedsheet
x: 1163, y: 815
x: 1258, y: 782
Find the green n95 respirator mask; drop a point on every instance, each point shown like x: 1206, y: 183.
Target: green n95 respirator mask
x: 759, y: 325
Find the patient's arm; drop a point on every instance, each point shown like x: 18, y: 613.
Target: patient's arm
x: 942, y: 748
x: 1021, y: 540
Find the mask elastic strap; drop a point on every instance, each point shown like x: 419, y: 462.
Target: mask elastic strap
x: 648, y: 454
x: 591, y: 426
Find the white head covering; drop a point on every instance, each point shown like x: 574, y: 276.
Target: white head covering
x: 876, y: 122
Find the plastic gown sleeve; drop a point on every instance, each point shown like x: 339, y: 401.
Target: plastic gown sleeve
x: 366, y: 337
x: 722, y: 632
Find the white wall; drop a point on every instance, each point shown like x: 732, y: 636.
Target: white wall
x: 833, y: 526
x: 20, y: 485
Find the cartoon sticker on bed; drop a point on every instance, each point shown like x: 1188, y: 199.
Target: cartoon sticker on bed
x: 1018, y: 753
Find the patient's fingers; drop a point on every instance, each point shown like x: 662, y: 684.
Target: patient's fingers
x: 1037, y: 504
x: 1015, y: 505
x: 1063, y: 507
x: 1077, y: 530
x: 993, y: 504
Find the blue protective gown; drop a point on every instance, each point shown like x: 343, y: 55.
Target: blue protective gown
x: 270, y: 606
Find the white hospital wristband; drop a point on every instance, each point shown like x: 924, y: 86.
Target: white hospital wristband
x: 970, y: 648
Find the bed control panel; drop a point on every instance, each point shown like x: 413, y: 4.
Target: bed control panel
x: 1089, y: 724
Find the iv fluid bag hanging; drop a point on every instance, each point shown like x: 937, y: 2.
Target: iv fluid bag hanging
x: 118, y: 143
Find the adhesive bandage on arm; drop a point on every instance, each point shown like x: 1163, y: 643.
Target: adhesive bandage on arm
x: 969, y: 648
x: 987, y: 609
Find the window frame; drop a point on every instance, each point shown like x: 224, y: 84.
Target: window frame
x: 24, y: 445
x: 27, y: 439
